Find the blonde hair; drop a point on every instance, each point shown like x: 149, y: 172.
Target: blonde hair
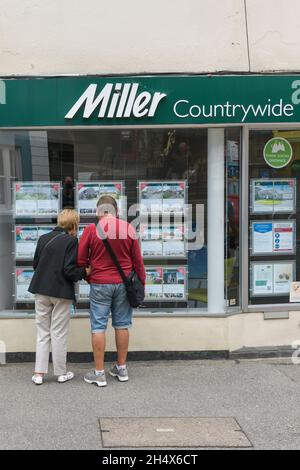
x: 68, y: 219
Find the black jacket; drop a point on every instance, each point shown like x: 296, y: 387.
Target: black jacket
x: 55, y: 265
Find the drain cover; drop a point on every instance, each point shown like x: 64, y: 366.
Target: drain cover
x: 172, y: 432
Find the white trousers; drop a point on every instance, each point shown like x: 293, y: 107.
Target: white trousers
x: 52, y: 318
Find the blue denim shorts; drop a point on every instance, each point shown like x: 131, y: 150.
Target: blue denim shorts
x: 106, y: 298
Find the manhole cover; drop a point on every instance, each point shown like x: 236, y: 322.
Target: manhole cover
x: 172, y: 432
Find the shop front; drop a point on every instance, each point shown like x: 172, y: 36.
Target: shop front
x: 207, y: 169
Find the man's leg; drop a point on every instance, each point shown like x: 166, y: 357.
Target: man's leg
x: 100, y: 301
x: 122, y: 343
x: 121, y: 322
x: 98, y: 343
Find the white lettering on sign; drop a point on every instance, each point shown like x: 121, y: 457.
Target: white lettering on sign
x: 117, y: 101
x: 296, y: 94
x: 184, y: 109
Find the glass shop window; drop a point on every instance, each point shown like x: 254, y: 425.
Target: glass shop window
x: 42, y: 172
x: 274, y: 223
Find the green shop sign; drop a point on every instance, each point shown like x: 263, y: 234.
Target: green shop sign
x: 278, y: 152
x: 149, y: 100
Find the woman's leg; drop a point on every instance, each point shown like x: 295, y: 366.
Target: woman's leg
x: 43, y: 310
x: 59, y: 334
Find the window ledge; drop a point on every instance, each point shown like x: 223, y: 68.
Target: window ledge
x: 137, y: 314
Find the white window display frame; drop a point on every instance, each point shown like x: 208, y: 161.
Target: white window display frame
x: 170, y: 267
x: 273, y: 181
x: 28, y: 226
x: 32, y: 215
x: 162, y: 212
x: 122, y: 206
x: 272, y: 253
x: 273, y: 263
x: 162, y: 241
x: 30, y: 299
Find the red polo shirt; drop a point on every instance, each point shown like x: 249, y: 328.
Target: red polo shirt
x: 123, y: 240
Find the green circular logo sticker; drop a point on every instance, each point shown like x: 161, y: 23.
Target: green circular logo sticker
x: 278, y: 152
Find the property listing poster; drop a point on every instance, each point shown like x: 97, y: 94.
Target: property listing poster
x: 162, y: 240
x: 44, y: 229
x: 26, y: 238
x: 283, y: 276
x: 48, y: 199
x: 83, y: 291
x: 89, y: 193
x: 162, y: 197
x: 36, y: 199
x: 284, y: 237
x: 154, y: 283
x: 273, y: 237
x: 23, y: 278
x: 174, y: 283
x: 273, y: 196
x: 151, y: 240
x: 80, y: 230
x: 166, y: 283
x: 173, y: 197
x: 262, y: 279
x: 151, y: 194
x: 272, y: 278
x: 173, y: 237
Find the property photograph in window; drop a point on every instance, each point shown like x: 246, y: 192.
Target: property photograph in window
x: 89, y: 193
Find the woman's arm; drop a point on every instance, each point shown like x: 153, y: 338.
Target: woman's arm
x: 71, y: 270
x: 36, y: 254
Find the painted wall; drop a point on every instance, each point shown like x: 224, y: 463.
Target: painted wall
x: 169, y: 334
x: 100, y: 37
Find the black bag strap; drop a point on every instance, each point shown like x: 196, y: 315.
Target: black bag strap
x: 111, y: 252
x: 49, y: 242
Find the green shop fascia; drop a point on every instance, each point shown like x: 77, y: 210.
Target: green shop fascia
x: 149, y: 100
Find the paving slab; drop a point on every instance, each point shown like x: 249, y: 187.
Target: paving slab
x: 172, y: 432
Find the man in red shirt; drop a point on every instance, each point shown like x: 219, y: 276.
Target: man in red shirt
x: 108, y: 292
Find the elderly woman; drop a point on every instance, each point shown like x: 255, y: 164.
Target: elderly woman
x: 53, y: 281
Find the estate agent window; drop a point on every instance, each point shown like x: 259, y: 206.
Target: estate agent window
x: 42, y: 172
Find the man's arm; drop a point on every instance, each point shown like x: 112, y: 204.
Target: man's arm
x: 137, y: 260
x: 83, y: 257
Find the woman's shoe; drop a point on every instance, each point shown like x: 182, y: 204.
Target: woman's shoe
x: 37, y: 379
x: 64, y: 378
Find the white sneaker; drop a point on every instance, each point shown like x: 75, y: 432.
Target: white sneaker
x: 37, y: 379
x: 64, y: 378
